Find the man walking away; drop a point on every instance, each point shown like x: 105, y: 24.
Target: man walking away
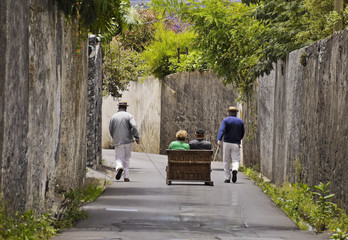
x: 123, y: 130
x: 232, y: 131
x: 199, y: 142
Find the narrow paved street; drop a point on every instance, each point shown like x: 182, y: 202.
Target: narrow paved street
x: 147, y: 208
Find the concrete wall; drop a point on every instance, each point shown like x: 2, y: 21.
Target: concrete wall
x: 43, y: 100
x: 144, y: 100
x: 109, y: 107
x: 301, y: 117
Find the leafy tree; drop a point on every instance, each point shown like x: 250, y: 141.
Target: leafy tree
x: 121, y: 66
x: 249, y: 2
x: 228, y: 37
x: 190, y: 62
x: 293, y: 24
x: 320, y: 19
x: 104, y: 17
x: 241, y: 41
x: 122, y: 62
x: 159, y: 55
x: 138, y: 36
x: 283, y: 20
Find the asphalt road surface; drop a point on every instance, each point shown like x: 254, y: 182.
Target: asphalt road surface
x: 148, y: 208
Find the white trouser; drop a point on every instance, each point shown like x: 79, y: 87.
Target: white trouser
x: 122, y: 155
x: 230, y: 151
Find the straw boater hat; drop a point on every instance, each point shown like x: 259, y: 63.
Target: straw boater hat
x: 232, y: 109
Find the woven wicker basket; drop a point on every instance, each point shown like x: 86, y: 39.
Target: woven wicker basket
x: 189, y: 165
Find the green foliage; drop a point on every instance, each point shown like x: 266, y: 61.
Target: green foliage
x: 168, y: 7
x: 229, y: 37
x: 106, y: 18
x: 32, y: 226
x: 138, y: 36
x: 160, y: 55
x: 303, y: 206
x: 303, y: 59
x: 339, y: 234
x: 241, y: 41
x: 26, y: 226
x: 91, y: 193
x: 188, y: 63
x: 73, y: 200
x: 249, y: 2
x: 283, y: 22
x: 122, y: 61
x: 292, y: 25
x: 319, y: 19
x: 345, y: 16
x: 121, y: 66
x: 325, y: 209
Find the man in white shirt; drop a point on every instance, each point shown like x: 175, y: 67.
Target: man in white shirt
x: 123, y: 130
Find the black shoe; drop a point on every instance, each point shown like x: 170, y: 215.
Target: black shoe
x: 119, y: 173
x: 234, y: 176
x: 227, y: 181
x: 126, y: 180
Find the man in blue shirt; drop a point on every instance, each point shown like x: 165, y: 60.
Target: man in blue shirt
x: 232, y: 131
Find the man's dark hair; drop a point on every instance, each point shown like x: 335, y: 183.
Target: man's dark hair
x: 200, y: 133
x: 232, y: 113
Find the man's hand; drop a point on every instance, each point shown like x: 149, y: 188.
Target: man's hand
x: 137, y: 140
x: 219, y: 143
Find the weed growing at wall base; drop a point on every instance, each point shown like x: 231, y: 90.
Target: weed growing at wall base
x: 311, y: 210
x: 70, y: 209
x: 339, y: 234
x: 26, y: 226
x: 30, y: 225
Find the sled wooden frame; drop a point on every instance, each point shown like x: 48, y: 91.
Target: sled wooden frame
x: 189, y: 166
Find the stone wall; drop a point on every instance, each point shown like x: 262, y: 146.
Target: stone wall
x: 14, y: 81
x: 193, y: 100
x: 251, y: 140
x: 94, y: 114
x: 301, y: 117
x: 43, y: 101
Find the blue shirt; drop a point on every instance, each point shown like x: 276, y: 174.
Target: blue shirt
x: 232, y: 130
